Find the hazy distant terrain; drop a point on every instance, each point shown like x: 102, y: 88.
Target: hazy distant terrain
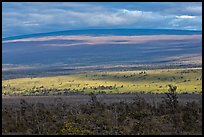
x: 105, y: 48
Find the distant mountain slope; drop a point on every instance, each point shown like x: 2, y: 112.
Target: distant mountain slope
x: 98, y: 32
x: 107, y: 47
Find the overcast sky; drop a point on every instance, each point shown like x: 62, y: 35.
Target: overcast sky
x: 19, y: 18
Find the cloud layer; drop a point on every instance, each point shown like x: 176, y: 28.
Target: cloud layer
x: 21, y: 18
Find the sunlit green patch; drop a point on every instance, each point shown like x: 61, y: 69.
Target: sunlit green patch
x: 148, y: 81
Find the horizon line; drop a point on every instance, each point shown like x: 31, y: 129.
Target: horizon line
x: 100, y: 29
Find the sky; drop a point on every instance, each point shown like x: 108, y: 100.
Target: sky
x: 21, y: 18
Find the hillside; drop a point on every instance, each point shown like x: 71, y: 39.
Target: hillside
x: 102, y: 48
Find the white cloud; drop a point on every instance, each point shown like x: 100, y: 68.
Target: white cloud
x: 194, y: 9
x: 46, y: 17
x: 132, y: 12
x: 185, y: 17
x: 29, y: 23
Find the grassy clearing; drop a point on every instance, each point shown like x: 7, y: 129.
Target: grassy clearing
x: 148, y: 81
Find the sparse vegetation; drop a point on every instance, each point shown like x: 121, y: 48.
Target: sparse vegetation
x: 154, y: 81
x: 96, y: 118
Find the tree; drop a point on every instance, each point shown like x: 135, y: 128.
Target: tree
x: 172, y: 99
